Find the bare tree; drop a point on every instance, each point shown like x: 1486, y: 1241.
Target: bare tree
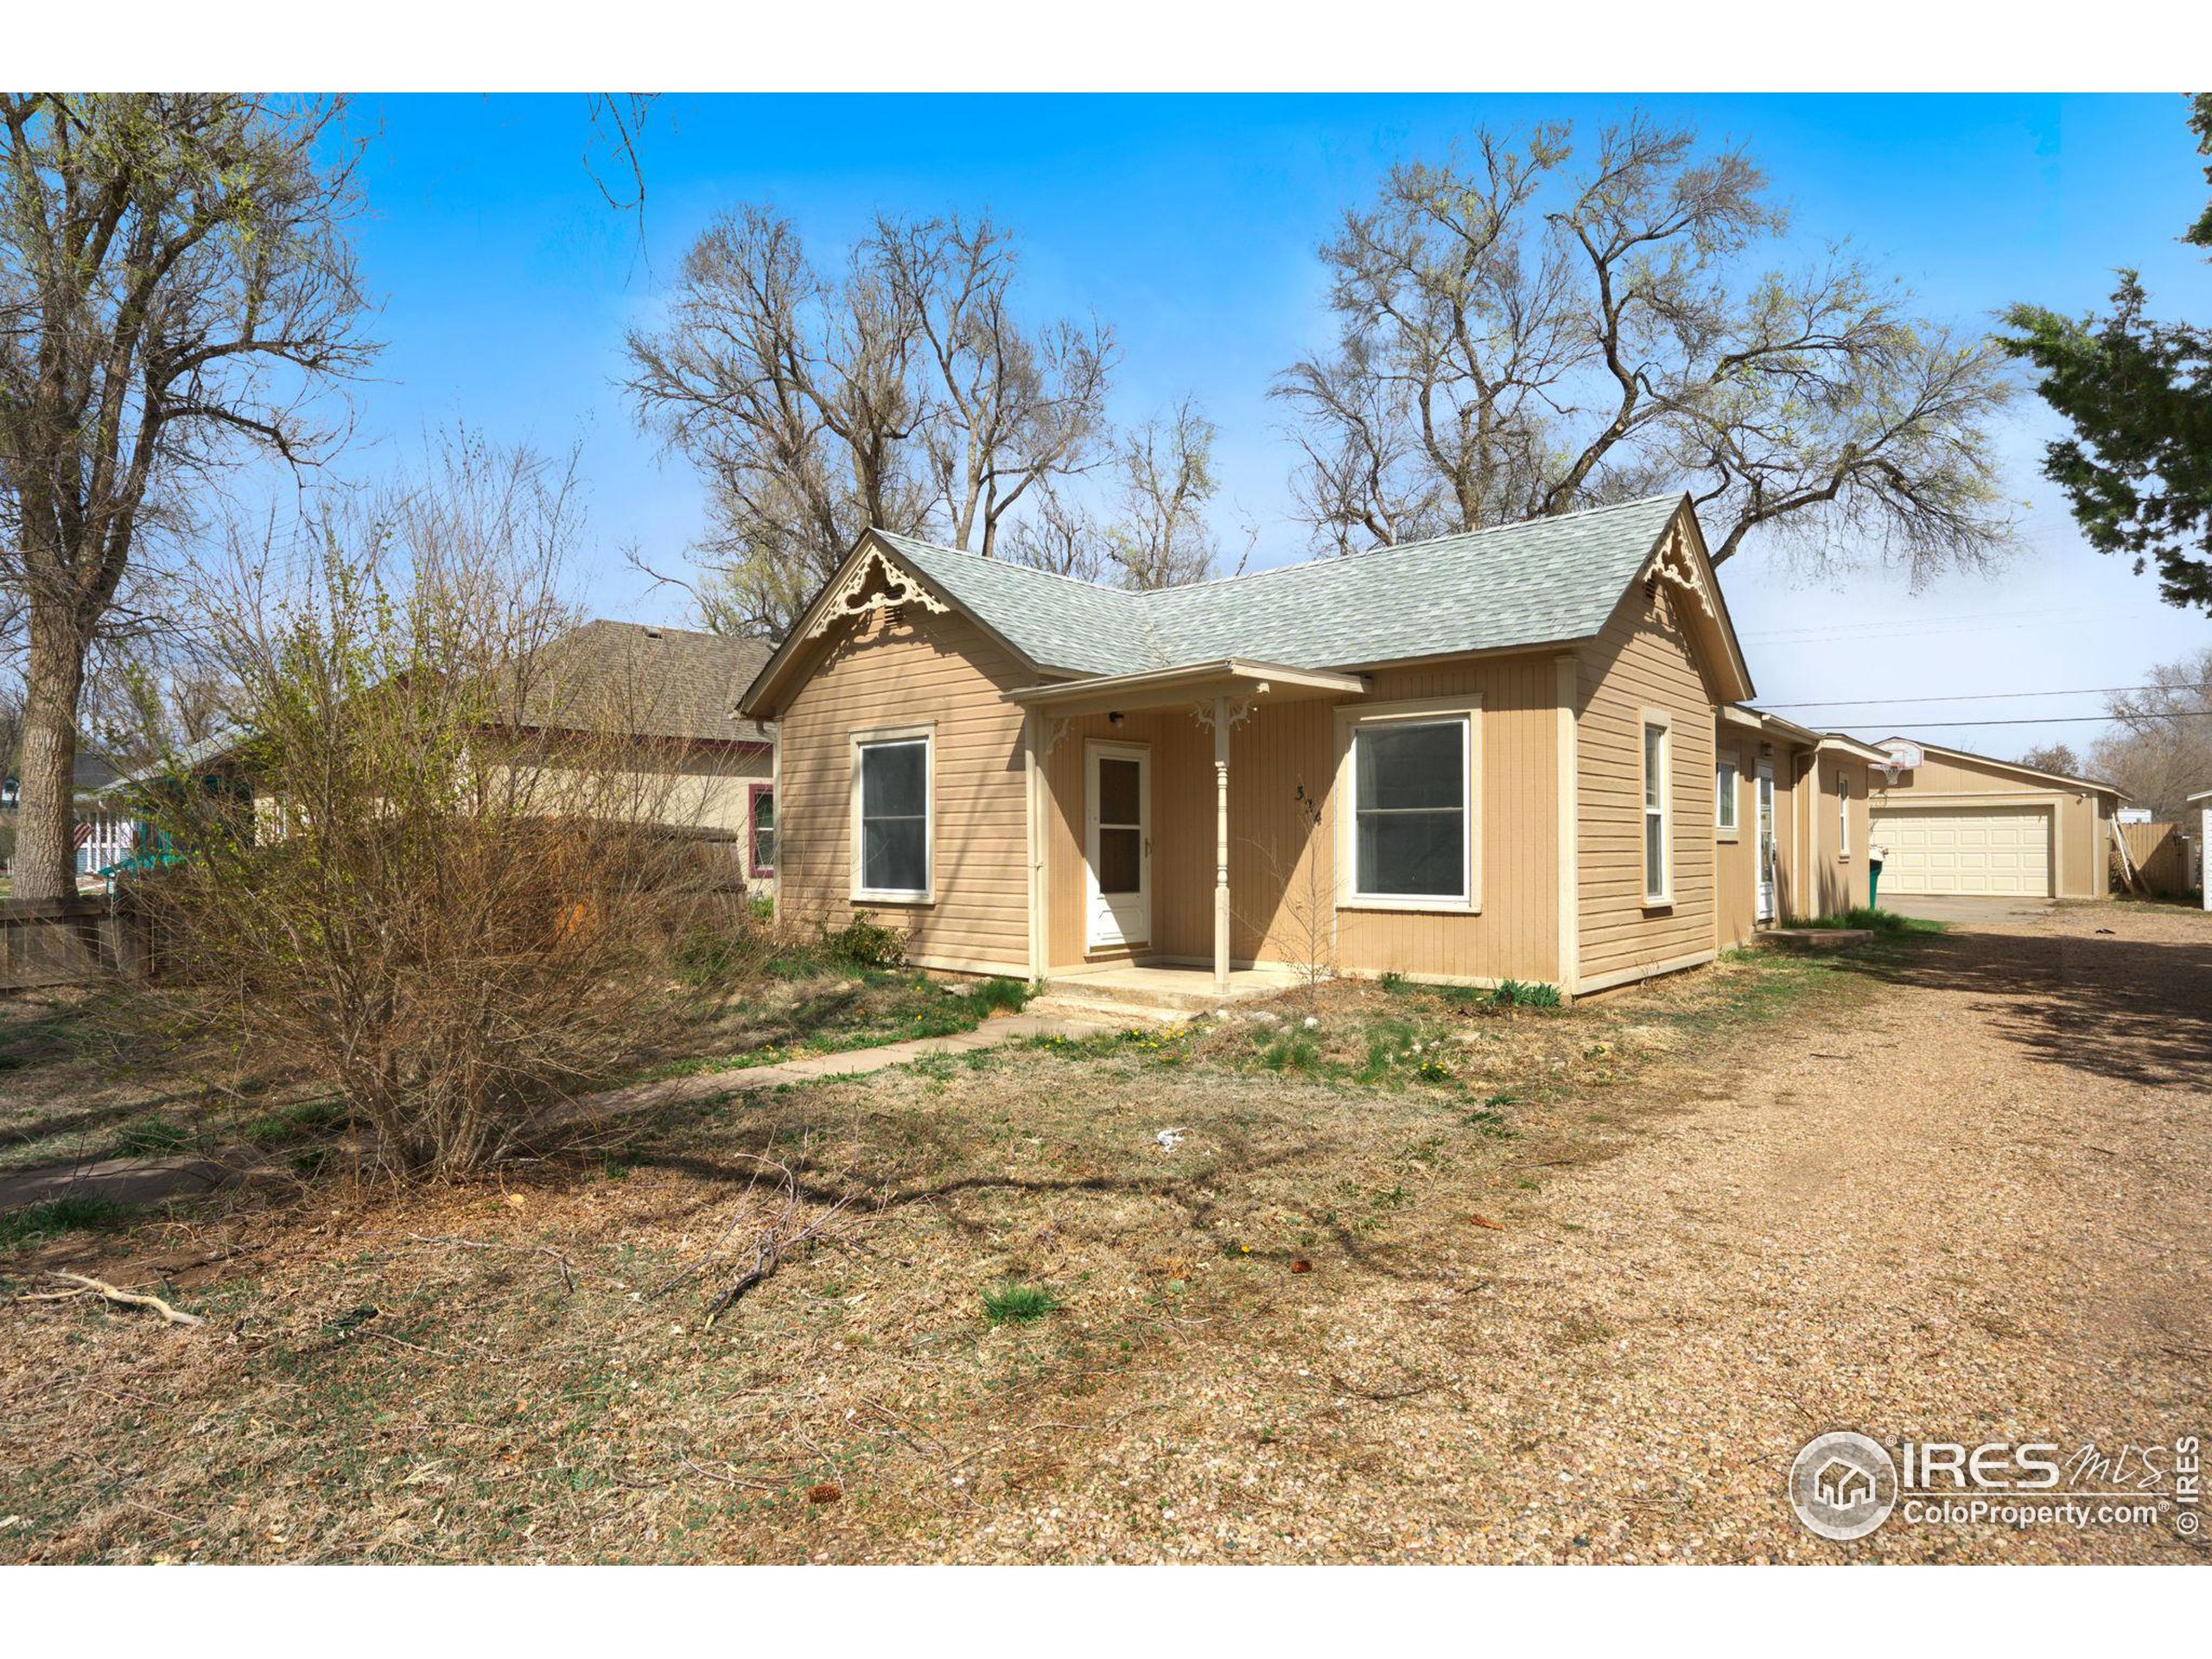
x: 1517, y: 342
x: 1151, y: 529
x: 2054, y: 757
x: 2159, y: 748
x: 1161, y: 538
x: 904, y: 394
x: 175, y: 290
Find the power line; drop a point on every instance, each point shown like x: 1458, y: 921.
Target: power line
x: 2072, y: 720
x: 1974, y: 696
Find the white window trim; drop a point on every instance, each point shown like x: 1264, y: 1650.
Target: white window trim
x: 1466, y: 706
x: 1842, y: 815
x: 1730, y: 827
x: 1663, y: 897
x: 926, y: 733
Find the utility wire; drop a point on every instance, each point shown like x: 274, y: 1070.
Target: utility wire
x: 1972, y: 696
x: 2072, y: 720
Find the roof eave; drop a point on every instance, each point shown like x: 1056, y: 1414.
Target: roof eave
x: 1154, y: 688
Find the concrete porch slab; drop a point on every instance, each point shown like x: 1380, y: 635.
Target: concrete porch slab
x: 1189, y: 990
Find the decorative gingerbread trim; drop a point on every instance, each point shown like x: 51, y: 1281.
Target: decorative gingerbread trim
x: 1240, y: 710
x: 873, y: 584
x: 1674, y: 564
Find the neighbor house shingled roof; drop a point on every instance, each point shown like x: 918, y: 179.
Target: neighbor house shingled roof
x: 1524, y: 584
x: 646, y: 682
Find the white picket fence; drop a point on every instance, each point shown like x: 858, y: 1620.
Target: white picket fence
x: 104, y: 839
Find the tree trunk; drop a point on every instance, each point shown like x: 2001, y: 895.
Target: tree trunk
x: 45, y: 864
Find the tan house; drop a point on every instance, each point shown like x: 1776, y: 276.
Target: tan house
x: 1791, y: 822
x: 1960, y: 823
x: 1485, y: 757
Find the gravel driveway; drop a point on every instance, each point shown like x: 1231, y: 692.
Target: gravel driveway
x: 1979, y: 1214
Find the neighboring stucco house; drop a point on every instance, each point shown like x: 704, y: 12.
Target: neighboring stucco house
x: 1961, y: 823
x: 667, y: 695
x: 1484, y: 757
x: 671, y: 694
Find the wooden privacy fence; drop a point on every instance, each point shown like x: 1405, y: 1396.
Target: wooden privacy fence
x: 2160, y: 853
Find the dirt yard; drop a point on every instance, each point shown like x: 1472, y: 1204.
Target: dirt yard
x: 1426, y: 1280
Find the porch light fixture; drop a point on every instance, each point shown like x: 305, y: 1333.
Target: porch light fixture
x: 1114, y: 718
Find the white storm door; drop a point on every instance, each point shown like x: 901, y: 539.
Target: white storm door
x: 1117, y: 862
x: 1764, y: 819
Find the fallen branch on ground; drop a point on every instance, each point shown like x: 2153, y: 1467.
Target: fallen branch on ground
x: 127, y: 1298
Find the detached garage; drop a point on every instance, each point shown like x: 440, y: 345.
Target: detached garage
x: 1960, y: 824
x: 2005, y: 850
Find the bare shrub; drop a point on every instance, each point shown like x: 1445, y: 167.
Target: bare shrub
x: 441, y: 870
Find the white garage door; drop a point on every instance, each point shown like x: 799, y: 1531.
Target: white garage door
x: 2002, y: 850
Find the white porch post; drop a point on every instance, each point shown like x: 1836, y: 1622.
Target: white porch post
x: 1221, y: 844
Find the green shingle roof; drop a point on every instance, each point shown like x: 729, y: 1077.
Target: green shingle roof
x: 1526, y: 584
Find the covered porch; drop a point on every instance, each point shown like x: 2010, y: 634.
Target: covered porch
x: 1151, y: 853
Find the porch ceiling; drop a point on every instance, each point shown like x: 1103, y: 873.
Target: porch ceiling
x: 1165, y: 687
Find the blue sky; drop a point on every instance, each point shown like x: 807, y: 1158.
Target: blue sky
x: 1190, y: 224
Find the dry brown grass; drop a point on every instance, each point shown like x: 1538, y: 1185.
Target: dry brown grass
x: 493, y: 1372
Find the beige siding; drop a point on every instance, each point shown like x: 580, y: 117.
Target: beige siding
x: 1839, y: 870
x: 2081, y: 818
x: 900, y: 669
x: 1735, y: 855
x: 1643, y: 659
x: 1282, y: 869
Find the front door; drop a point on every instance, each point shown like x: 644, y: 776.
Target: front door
x: 1118, y: 845
x: 1765, y: 824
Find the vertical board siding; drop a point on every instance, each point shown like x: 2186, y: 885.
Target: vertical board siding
x: 1736, y: 862
x: 1282, y: 869
x: 1643, y: 659
x: 903, y: 668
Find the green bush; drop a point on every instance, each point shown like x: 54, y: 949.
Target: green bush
x: 865, y: 943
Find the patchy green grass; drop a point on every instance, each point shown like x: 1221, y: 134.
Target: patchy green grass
x: 1014, y: 1303
x: 1887, y: 922
x: 36, y: 1221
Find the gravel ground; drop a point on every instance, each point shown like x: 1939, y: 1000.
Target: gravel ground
x: 1981, y: 1213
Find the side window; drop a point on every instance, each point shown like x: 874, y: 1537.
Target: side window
x: 890, y: 778
x: 1725, y: 785
x: 764, y: 830
x: 1657, y: 809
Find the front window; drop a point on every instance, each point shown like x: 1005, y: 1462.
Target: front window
x: 1655, y: 745
x: 1843, y: 815
x: 1724, y: 798
x: 894, y: 817
x: 1409, y: 809
x: 764, y: 830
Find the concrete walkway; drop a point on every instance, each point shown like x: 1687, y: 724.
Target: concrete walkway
x: 850, y: 1063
